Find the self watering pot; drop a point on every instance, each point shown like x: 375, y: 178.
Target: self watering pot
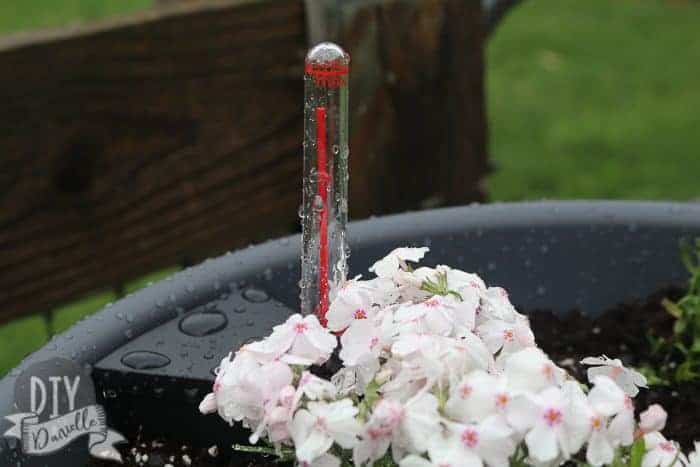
x: 152, y: 355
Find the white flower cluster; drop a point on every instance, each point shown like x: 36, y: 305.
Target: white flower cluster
x: 438, y: 370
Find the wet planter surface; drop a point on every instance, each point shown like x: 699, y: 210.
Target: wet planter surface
x: 152, y: 355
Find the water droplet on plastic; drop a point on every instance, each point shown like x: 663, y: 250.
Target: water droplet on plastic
x: 203, y: 323
x: 255, y: 295
x: 145, y: 360
x: 208, y: 355
x: 239, y: 309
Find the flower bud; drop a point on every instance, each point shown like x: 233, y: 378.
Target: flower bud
x: 652, y: 419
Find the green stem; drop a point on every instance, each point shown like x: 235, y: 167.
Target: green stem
x: 283, y: 454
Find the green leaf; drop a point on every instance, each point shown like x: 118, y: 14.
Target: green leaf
x: 371, y: 396
x: 457, y: 295
x: 689, y: 255
x: 681, y: 347
x: 386, y: 461
x: 680, y: 326
x: 672, y: 308
x: 637, y: 453
x: 617, y: 460
x: 653, y: 377
x: 685, y: 372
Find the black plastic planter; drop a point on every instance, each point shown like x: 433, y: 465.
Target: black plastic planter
x: 151, y: 355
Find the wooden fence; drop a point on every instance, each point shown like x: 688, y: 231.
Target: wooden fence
x: 175, y: 134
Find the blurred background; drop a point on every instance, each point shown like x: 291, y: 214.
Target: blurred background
x: 112, y: 117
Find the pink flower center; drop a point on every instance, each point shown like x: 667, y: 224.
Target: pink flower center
x: 360, y: 314
x: 615, y: 371
x: 432, y: 303
x: 465, y: 391
x: 667, y: 446
x: 300, y: 328
x: 552, y: 417
x: 508, y: 335
x: 470, y: 438
x: 373, y: 342
x: 320, y: 424
x: 502, y: 400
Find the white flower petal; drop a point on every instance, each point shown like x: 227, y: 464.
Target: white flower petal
x: 208, y: 404
x: 606, y: 397
x: 542, y: 443
x: 600, y: 451
x: 413, y: 460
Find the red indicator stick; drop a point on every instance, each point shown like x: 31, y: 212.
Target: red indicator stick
x: 325, y: 205
x: 322, y: 171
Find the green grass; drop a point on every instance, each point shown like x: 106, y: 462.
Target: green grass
x: 586, y: 99
x: 20, y: 15
x: 596, y: 99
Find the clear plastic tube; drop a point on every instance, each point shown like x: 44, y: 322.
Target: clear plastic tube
x: 325, y: 193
